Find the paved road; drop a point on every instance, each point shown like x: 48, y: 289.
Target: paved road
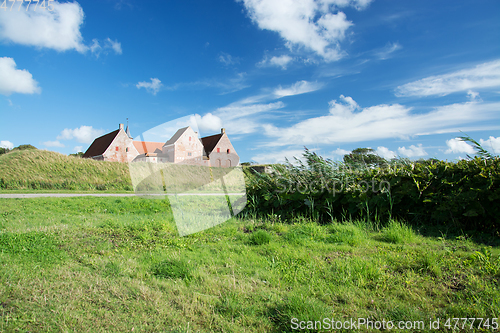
x: 67, y: 195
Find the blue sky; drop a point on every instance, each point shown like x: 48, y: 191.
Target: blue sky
x: 401, y: 77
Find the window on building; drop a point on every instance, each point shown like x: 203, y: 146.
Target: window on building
x: 228, y: 150
x: 218, y: 150
x: 116, y: 148
x: 126, y: 149
x: 189, y: 138
x: 189, y: 154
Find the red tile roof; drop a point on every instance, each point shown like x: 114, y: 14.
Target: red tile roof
x: 144, y: 147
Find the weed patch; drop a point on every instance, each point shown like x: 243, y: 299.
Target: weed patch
x: 347, y: 234
x: 32, y: 246
x: 172, y: 269
x: 398, y: 233
x: 260, y: 237
x: 297, y: 308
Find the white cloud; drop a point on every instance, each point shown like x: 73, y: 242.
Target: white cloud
x: 228, y: 59
x: 14, y: 80
x: 388, y: 50
x: 491, y: 144
x: 456, y: 146
x: 96, y: 48
x: 412, y: 151
x: 227, y: 85
x: 278, y: 156
x: 153, y: 86
x: 6, y: 144
x: 299, y: 87
x: 234, y: 111
x: 83, y: 134
x: 486, y: 75
x: 208, y: 122
x: 115, y: 45
x: 58, y: 29
x: 317, y: 25
x: 348, y: 122
x: 242, y: 119
x: 53, y: 144
x: 385, y: 153
x: 345, y: 108
x: 281, y: 61
x: 341, y: 152
x: 78, y: 149
x: 474, y: 96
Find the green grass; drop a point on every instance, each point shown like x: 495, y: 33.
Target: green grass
x: 118, y: 264
x: 398, y: 233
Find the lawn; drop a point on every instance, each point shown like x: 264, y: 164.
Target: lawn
x: 117, y: 264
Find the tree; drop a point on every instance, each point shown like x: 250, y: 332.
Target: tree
x: 4, y: 151
x: 79, y: 154
x: 364, y: 157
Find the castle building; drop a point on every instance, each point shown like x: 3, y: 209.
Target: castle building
x: 183, y: 147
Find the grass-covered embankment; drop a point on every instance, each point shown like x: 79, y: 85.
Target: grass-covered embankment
x: 33, y: 169
x: 109, y: 264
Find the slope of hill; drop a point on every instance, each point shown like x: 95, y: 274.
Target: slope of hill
x: 41, y: 169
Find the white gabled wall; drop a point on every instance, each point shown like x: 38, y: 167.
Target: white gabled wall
x: 222, y: 156
x: 121, y: 148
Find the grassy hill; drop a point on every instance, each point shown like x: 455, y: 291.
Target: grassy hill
x: 41, y: 169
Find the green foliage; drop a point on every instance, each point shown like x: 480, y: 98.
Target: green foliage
x: 485, y: 262
x: 463, y: 194
x: 79, y: 154
x: 260, y: 237
x: 24, y: 147
x: 4, y: 150
x: 364, y: 157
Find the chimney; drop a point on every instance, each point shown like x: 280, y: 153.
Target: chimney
x: 121, y: 127
x: 222, y: 130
